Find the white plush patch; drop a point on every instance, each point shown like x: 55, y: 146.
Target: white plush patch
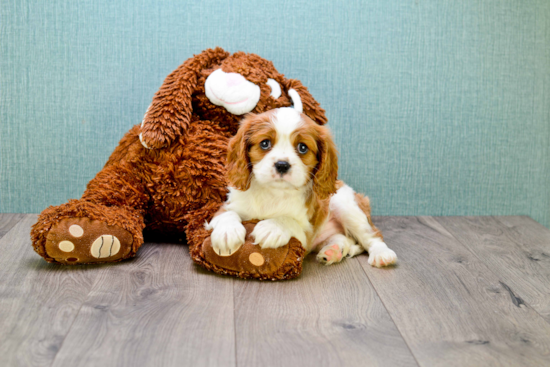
x: 76, y: 231
x: 66, y: 246
x: 105, y: 246
x: 146, y: 112
x: 232, y: 91
x: 142, y: 142
x: 275, y: 88
x: 296, y: 100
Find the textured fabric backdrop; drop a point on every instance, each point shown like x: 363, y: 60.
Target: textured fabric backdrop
x: 439, y: 107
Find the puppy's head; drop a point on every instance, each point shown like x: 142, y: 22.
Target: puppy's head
x: 284, y: 149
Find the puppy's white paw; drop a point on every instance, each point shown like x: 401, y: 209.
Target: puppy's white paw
x: 227, y: 238
x: 270, y: 234
x: 381, y: 256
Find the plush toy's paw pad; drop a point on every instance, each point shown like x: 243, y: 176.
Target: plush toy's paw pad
x: 104, y: 246
x: 380, y: 257
x: 82, y: 241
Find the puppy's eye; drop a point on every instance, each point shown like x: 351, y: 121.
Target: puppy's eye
x: 302, y: 148
x: 265, y: 144
x: 275, y: 88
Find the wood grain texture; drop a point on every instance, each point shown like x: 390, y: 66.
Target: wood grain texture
x: 159, y: 309
x: 516, y: 249
x: 448, y: 305
x: 330, y: 316
x: 38, y: 301
x: 468, y: 295
x: 7, y: 221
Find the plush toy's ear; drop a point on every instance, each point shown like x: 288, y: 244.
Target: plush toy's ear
x: 326, y: 173
x: 309, y: 105
x: 169, y: 114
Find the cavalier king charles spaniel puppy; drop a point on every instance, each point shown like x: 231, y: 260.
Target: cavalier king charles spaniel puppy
x: 282, y: 168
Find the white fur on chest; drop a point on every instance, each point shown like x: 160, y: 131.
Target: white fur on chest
x: 261, y: 202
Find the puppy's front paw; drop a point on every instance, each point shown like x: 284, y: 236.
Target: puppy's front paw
x: 381, y: 256
x: 270, y: 234
x: 227, y: 238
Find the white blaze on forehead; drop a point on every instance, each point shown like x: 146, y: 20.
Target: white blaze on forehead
x: 286, y: 120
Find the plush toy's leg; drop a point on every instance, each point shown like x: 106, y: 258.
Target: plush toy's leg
x: 106, y: 225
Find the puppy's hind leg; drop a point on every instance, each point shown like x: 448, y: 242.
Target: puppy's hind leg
x: 336, y: 248
x: 353, y: 211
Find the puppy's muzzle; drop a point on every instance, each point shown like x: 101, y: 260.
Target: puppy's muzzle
x: 282, y: 167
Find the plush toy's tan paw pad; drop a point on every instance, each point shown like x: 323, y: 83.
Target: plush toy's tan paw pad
x: 83, y: 240
x: 105, y: 246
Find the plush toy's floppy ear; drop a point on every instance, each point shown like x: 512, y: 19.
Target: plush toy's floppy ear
x: 238, y: 163
x: 310, y: 106
x: 169, y: 114
x: 326, y: 173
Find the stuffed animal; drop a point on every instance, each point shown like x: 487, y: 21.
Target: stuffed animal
x: 167, y: 175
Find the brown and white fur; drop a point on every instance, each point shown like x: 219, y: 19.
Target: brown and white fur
x: 294, y: 192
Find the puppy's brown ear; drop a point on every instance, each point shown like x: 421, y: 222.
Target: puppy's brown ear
x: 324, y: 181
x: 169, y: 114
x: 238, y: 164
x: 310, y: 106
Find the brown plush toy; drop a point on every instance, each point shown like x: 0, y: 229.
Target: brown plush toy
x: 167, y: 175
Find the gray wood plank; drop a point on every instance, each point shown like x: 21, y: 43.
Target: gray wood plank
x: 38, y: 301
x: 330, y: 316
x: 159, y: 310
x: 7, y: 221
x: 450, y: 308
x: 516, y: 249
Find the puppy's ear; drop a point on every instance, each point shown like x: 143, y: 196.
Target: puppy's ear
x: 169, y: 114
x: 310, y: 106
x: 324, y: 181
x: 238, y: 163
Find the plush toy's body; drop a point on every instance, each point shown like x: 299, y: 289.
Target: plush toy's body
x: 168, y: 174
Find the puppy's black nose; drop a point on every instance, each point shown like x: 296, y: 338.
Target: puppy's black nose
x: 282, y: 167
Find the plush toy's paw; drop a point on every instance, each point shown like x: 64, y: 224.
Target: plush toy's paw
x: 82, y: 241
x: 148, y: 140
x: 228, y: 238
x: 381, y: 256
x: 269, y: 233
x: 251, y: 261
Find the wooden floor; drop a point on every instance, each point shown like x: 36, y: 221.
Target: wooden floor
x: 467, y: 291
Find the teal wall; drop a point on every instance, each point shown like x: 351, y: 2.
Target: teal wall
x: 439, y: 107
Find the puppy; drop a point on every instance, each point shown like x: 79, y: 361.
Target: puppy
x: 282, y: 167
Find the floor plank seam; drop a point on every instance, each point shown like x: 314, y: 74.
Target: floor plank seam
x: 3, y: 234
x: 389, y: 313
x: 515, y: 297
